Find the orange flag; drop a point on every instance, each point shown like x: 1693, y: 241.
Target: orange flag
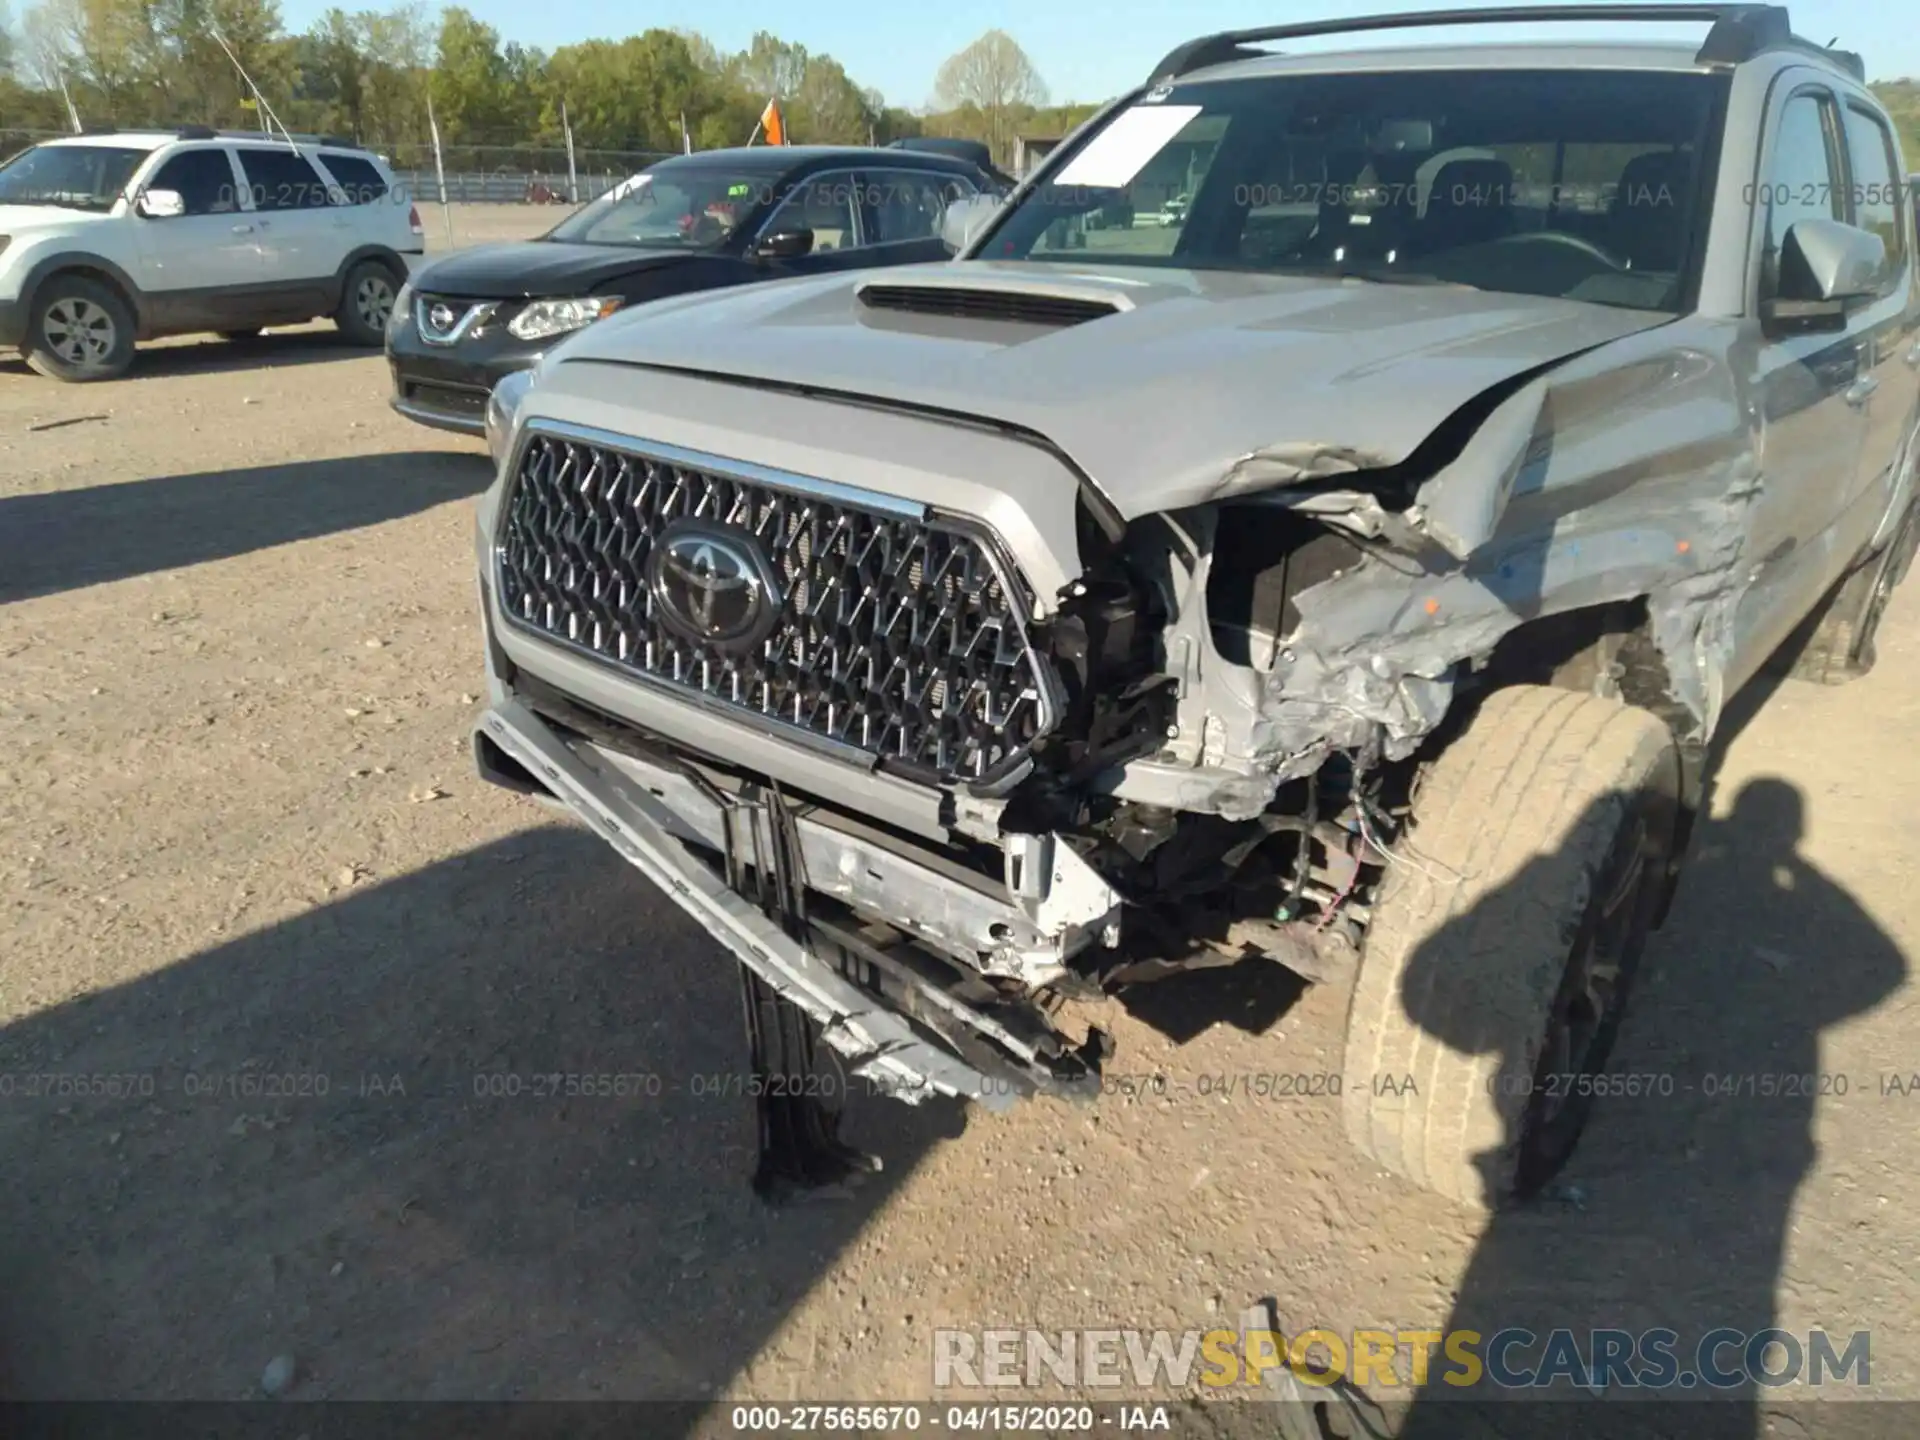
x: 772, y: 124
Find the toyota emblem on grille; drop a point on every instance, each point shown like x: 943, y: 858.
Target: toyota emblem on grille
x: 713, y: 585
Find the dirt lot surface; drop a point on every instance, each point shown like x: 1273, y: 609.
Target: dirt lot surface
x: 249, y: 873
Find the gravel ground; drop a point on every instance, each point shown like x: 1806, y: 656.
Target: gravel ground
x: 249, y: 872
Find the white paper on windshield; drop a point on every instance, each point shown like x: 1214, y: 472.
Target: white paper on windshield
x: 1121, y: 151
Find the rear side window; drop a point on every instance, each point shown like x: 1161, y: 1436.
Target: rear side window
x: 360, y: 182
x: 282, y: 180
x: 203, y: 179
x: 909, y: 204
x: 1876, y: 187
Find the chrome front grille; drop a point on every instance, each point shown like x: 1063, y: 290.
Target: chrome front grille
x: 886, y: 629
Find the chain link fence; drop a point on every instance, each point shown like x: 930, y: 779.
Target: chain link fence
x: 511, y: 175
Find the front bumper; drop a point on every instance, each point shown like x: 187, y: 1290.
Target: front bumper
x: 917, y: 1040
x: 446, y: 386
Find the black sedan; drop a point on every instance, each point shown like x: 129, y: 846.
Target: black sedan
x: 692, y: 222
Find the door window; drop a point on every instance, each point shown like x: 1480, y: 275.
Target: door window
x: 909, y: 204
x: 824, y: 205
x: 360, y: 182
x: 1801, y: 182
x: 1876, y: 189
x: 203, y: 179
x: 282, y: 180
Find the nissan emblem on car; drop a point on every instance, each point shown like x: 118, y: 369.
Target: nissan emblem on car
x: 441, y: 317
x: 712, y: 585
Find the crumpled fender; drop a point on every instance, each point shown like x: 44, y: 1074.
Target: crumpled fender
x: 1602, y: 480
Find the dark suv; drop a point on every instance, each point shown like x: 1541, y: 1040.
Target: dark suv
x: 694, y: 222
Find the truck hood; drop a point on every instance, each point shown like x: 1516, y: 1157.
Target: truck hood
x: 1166, y: 387
x: 525, y: 269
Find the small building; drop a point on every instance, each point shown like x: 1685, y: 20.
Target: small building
x: 1030, y: 150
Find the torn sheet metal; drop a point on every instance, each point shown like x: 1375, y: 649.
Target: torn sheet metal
x: 1293, y: 464
x: 1580, y: 490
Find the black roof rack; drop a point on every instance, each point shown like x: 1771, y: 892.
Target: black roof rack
x: 1740, y: 32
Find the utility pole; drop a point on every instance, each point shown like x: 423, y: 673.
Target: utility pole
x: 73, y: 115
x: 573, y: 174
x: 439, y: 167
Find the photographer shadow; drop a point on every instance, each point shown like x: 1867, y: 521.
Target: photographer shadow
x: 475, y: 1133
x: 1675, y: 1213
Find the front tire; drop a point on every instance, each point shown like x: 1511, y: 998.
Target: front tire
x: 366, y: 300
x: 80, y: 330
x: 1503, y: 948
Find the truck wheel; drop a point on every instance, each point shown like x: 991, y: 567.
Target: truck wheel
x: 1505, y: 940
x: 79, y: 330
x: 366, y: 300
x: 1837, y: 643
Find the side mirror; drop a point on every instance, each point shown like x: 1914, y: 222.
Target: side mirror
x: 1833, y: 261
x: 785, y: 244
x: 160, y: 204
x: 966, y: 218
x: 1824, y: 265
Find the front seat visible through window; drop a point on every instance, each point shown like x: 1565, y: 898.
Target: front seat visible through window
x: 1644, y: 223
x: 203, y: 179
x: 1471, y: 203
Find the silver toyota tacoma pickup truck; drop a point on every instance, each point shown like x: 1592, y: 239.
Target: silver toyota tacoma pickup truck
x: 1349, y: 572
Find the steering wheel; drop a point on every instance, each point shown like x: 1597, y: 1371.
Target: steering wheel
x: 1560, y: 237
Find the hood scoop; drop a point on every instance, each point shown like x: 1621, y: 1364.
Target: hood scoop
x: 1029, y: 303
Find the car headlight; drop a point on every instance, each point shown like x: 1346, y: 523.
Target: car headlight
x: 555, y: 317
x: 402, y: 306
x: 503, y: 408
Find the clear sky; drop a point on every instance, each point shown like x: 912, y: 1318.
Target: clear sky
x: 1083, y: 49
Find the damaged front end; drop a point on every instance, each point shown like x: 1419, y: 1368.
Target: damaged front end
x: 1238, y: 697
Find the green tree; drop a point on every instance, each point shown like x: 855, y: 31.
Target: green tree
x: 469, y: 83
x: 705, y: 53
x: 995, y: 78
x: 828, y: 108
x: 334, y: 71
x: 629, y: 94
x: 398, y: 48
x: 770, y: 67
x: 1902, y: 99
x: 209, y: 88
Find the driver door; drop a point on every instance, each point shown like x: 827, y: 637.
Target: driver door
x: 197, y: 269
x: 1811, y: 431
x: 828, y: 204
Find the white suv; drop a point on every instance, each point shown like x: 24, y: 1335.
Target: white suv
x: 107, y: 238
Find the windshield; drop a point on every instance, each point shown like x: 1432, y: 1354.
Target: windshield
x: 688, y: 207
x: 79, y: 177
x: 1578, y: 184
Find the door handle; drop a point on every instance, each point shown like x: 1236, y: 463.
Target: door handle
x: 243, y: 229
x: 1858, y: 392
